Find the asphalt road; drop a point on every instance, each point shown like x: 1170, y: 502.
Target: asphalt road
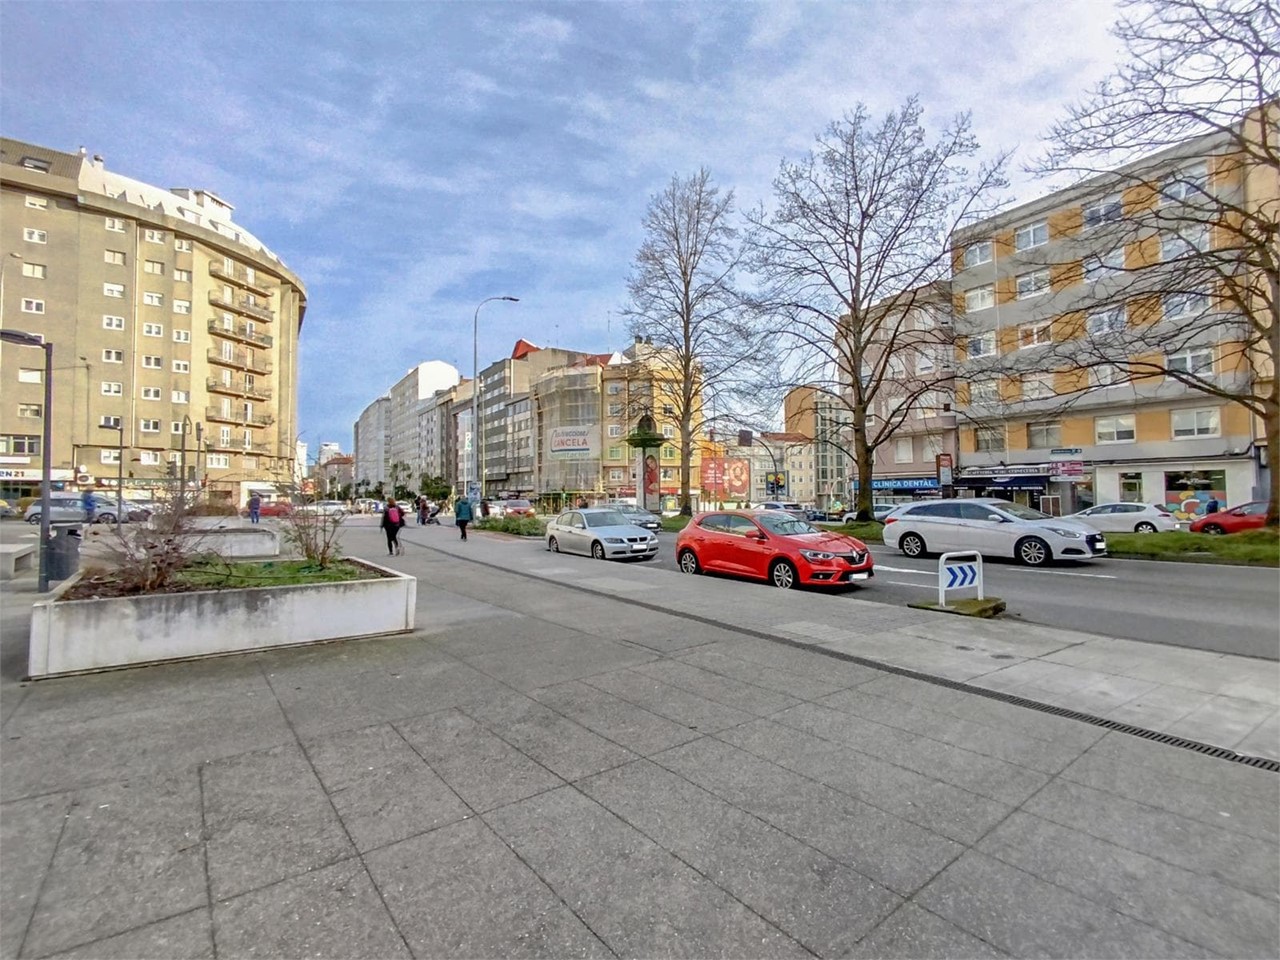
x: 1207, y: 606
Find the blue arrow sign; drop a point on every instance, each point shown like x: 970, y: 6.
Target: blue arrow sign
x: 963, y: 575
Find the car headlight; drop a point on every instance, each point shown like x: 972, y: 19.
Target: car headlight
x: 817, y: 556
x: 1069, y: 534
x: 614, y: 540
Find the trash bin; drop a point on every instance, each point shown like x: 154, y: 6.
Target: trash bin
x: 64, y: 553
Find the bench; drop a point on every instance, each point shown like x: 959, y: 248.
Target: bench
x: 15, y: 557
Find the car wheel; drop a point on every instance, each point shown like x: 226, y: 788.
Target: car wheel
x: 1145, y: 527
x: 105, y: 518
x: 34, y: 518
x: 597, y: 550
x: 912, y: 544
x: 1213, y: 529
x: 1034, y: 552
x: 783, y: 575
x: 688, y: 561
x: 553, y: 544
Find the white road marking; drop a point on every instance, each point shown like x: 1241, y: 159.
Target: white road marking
x: 904, y: 583
x: 1068, y: 573
x: 1052, y: 573
x: 918, y: 573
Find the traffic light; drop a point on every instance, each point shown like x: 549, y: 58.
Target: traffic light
x: 171, y: 469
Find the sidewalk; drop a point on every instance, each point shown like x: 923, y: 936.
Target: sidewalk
x: 543, y: 771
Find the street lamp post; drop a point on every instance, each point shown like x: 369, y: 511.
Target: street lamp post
x: 475, y: 388
x: 46, y: 465
x: 119, y: 428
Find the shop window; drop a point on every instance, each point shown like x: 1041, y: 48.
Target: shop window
x: 1131, y: 487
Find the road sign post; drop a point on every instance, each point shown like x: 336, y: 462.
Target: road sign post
x: 958, y: 571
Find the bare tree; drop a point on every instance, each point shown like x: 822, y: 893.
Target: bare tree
x: 849, y: 256
x: 684, y: 310
x: 1185, y: 136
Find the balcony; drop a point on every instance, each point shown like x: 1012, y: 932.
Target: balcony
x: 236, y: 445
x: 238, y: 417
x: 240, y: 359
x: 240, y: 332
x: 239, y: 276
x: 240, y: 305
x: 238, y: 388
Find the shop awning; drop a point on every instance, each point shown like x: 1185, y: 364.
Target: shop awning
x: 1002, y: 483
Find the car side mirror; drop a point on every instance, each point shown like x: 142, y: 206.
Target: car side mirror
x: 996, y: 518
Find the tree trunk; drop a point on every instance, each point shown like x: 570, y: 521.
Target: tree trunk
x: 1271, y: 427
x: 686, y: 469
x: 864, y: 460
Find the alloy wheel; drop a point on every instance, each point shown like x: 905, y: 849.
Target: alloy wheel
x: 783, y: 575
x: 1034, y: 552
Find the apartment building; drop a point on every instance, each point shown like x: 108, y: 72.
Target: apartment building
x: 408, y: 397
x: 1074, y: 319
x: 175, y: 333
x: 436, y: 441
x: 371, y: 445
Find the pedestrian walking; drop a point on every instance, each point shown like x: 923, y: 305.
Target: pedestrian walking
x: 89, y: 505
x: 392, y: 521
x: 462, y: 515
x: 423, y: 506
x: 255, y: 508
x: 1213, y: 506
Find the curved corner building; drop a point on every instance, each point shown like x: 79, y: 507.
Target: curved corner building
x: 175, y: 334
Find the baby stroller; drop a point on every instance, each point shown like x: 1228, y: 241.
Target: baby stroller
x: 433, y: 514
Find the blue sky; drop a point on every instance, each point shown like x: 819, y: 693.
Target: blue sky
x: 409, y: 159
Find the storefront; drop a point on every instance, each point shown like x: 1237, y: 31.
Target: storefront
x: 1184, y: 486
x: 18, y: 482
x: 1023, y: 483
x: 900, y: 488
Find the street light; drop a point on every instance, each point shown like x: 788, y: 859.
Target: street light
x: 475, y: 388
x: 119, y: 428
x: 46, y: 466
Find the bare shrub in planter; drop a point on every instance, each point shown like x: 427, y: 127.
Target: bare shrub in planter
x: 145, y: 556
x: 313, y: 534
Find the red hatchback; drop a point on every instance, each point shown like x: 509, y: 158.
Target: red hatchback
x: 771, y: 545
x: 1247, y: 516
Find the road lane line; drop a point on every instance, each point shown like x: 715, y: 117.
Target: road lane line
x: 918, y: 573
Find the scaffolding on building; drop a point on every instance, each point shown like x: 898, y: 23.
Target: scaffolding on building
x: 568, y: 397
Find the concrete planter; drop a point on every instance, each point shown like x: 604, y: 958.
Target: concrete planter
x: 75, y: 636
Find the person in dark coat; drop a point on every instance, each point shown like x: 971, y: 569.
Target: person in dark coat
x: 462, y: 515
x: 392, y: 521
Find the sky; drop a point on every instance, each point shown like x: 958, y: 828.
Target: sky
x: 408, y: 160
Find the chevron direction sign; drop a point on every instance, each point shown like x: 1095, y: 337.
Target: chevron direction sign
x: 959, y: 570
x: 965, y: 575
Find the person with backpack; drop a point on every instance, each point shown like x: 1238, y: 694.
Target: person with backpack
x: 462, y: 515
x: 392, y: 521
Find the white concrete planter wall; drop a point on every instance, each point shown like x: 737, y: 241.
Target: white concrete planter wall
x: 234, y: 543
x: 73, y: 636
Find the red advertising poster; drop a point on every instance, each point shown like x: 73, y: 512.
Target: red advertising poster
x: 726, y: 479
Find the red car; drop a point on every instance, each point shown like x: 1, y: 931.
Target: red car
x: 771, y: 545
x: 271, y: 508
x: 1247, y: 516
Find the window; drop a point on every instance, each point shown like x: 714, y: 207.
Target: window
x: 108, y: 421
x: 1106, y: 323
x: 32, y: 410
x: 35, y: 163
x: 180, y: 396
x: 903, y: 450
x: 1186, y: 184
x: 32, y: 235
x: 182, y: 246
x: 615, y: 430
x: 668, y: 453
x: 1114, y: 429
x: 615, y: 388
x: 1184, y: 243
x: 182, y: 306
x: 153, y: 330
x: 1195, y: 362
x: 977, y: 253
x: 979, y: 298
x: 152, y: 362
x: 37, y: 203
x: 153, y: 267
x: 989, y: 439
x: 668, y: 430
x: 150, y: 393
x: 154, y: 236
x: 668, y: 410
x: 182, y: 276
x: 1034, y: 335
x: 20, y: 444
x: 984, y: 391
x: 217, y: 461
x: 32, y: 306
x: 923, y: 319
x: 1044, y: 436
x: 1106, y: 375
x: 896, y: 368
x: 181, y: 336
x: 181, y: 366
x: 615, y: 474
x: 1037, y: 386
x: 149, y: 426
x: 981, y: 345
x: 615, y: 409
x: 112, y: 323
x: 30, y: 375
x: 149, y: 458
x: 115, y: 257
x: 115, y: 290
x: 114, y: 224
x: 1032, y: 235
x: 932, y: 447
x: 1195, y: 423
x: 153, y: 299
x: 924, y: 361
x: 1107, y: 265
x: 1106, y: 210
x: 112, y: 388
x: 109, y: 456
x: 36, y: 271
x: 1184, y: 303
x: 175, y: 426
x: 615, y: 453
x: 1033, y: 284
x: 113, y: 356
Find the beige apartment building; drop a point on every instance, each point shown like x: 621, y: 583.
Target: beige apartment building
x: 175, y: 334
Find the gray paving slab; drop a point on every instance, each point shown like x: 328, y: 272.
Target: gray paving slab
x: 1242, y: 861
x: 267, y: 818
x: 778, y: 656
x: 821, y: 903
x: 900, y: 855
x: 1026, y: 917
x: 334, y: 911
x: 1187, y: 765
x: 130, y: 854
x: 567, y: 656
x: 188, y: 936
x: 945, y: 809
x: 380, y: 786
x: 461, y: 892
x: 1224, y: 721
x: 483, y: 769
x: 800, y: 686
x: 674, y: 703
x: 913, y: 933
x: 562, y: 745
x: 637, y: 897
x: 986, y: 776
x: 1264, y: 740
x: 1199, y: 909
x: 752, y: 698
x: 614, y: 718
x: 29, y: 832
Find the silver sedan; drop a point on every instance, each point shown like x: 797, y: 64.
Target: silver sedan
x: 600, y: 532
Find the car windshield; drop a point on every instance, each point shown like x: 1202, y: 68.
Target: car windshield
x: 784, y: 524
x: 605, y: 518
x: 1021, y: 512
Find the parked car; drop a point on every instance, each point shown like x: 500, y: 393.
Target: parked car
x: 1247, y: 516
x: 600, y: 532
x: 322, y: 508
x: 6, y: 510
x: 134, y: 511
x: 512, y: 508
x: 786, y: 506
x: 994, y: 528
x: 640, y: 517
x: 1128, y: 518
x: 771, y: 545
x: 62, y: 509
x: 878, y: 512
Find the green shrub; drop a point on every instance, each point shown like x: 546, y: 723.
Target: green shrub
x: 520, y: 526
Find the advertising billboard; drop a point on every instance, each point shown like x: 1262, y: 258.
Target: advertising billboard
x: 726, y: 478
x: 573, y: 443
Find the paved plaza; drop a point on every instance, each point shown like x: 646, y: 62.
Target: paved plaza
x: 572, y: 759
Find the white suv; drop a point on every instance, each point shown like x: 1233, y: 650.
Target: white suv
x: 995, y: 528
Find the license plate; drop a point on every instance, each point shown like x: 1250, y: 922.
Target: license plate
x: 859, y: 576
x: 639, y: 547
